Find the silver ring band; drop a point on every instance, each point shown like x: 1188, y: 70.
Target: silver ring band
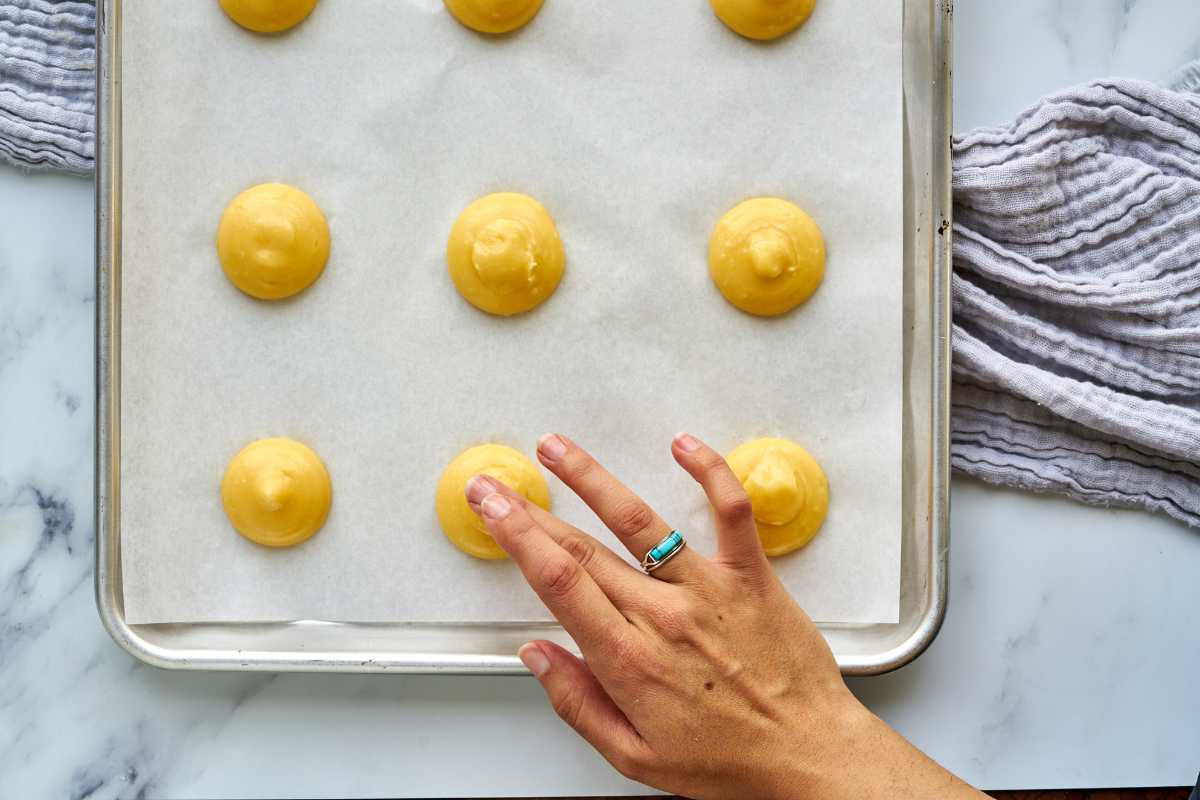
x: 670, y: 546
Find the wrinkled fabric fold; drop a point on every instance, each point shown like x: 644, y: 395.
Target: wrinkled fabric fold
x: 48, y: 84
x: 1076, y: 295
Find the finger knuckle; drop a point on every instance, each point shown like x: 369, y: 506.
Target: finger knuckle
x: 581, y: 549
x: 569, y: 705
x: 677, y: 624
x: 560, y: 576
x: 578, y: 466
x: 710, y: 460
x: 631, y: 517
x: 735, y: 507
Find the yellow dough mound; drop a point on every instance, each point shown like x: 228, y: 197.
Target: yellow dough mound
x: 787, y: 488
x: 276, y: 492
x: 767, y: 256
x: 504, y: 254
x: 268, y: 16
x: 463, y: 526
x: 494, y: 16
x: 763, y: 19
x: 273, y: 241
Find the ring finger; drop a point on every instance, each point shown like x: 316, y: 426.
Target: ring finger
x: 622, y: 511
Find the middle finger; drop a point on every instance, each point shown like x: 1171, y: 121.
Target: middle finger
x: 629, y: 589
x: 624, y: 513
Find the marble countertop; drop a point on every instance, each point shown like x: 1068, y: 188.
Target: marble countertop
x: 1068, y: 657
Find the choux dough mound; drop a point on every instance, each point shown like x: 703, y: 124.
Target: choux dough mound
x: 273, y: 241
x: 276, y: 492
x: 763, y: 19
x: 504, y: 254
x: 767, y: 256
x: 268, y: 16
x: 463, y: 526
x: 494, y: 16
x: 787, y: 488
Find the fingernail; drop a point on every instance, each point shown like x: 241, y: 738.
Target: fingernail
x: 687, y: 443
x: 495, y: 506
x: 552, y: 447
x: 534, y: 659
x: 480, y: 487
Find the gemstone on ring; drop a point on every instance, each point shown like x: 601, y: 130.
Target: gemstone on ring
x: 664, y: 551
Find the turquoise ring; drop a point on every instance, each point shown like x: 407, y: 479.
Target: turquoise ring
x: 663, y: 552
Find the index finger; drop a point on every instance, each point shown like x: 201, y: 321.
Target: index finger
x: 558, y: 579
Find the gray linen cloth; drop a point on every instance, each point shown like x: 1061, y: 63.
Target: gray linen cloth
x: 1076, y: 293
x: 1076, y: 278
x: 48, y: 83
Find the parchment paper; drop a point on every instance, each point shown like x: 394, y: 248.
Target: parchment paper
x: 637, y: 123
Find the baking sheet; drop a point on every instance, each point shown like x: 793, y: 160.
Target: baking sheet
x: 637, y: 124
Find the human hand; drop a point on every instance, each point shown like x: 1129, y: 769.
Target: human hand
x: 706, y: 679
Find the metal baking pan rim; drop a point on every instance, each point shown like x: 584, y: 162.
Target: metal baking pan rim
x: 136, y: 640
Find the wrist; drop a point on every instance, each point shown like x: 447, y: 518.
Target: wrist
x: 823, y: 749
x: 859, y: 756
